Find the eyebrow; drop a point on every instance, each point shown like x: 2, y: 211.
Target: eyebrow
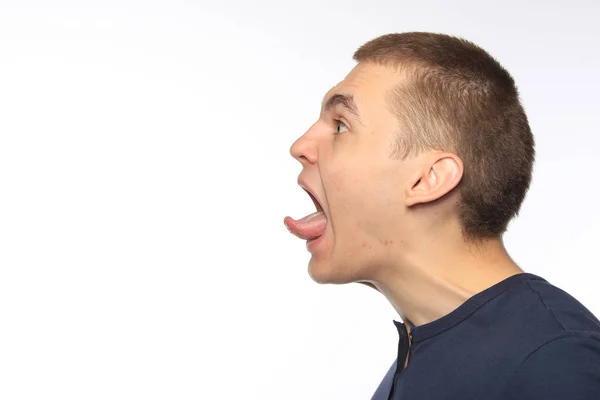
x: 343, y: 99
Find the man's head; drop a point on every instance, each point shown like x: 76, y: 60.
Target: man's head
x: 425, y: 139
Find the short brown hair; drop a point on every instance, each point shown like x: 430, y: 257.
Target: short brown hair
x: 458, y: 98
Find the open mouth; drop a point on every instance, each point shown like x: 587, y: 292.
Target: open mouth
x: 314, y: 200
x: 312, y: 226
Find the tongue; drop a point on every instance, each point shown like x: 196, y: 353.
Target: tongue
x: 310, y: 227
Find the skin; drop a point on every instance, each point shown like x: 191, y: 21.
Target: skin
x: 391, y: 223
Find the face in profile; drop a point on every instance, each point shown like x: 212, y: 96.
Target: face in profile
x: 355, y: 184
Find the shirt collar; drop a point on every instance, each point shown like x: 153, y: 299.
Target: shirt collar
x: 433, y: 328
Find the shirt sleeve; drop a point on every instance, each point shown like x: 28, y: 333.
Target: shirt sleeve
x: 565, y: 368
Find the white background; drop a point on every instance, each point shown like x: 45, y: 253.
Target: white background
x: 145, y: 173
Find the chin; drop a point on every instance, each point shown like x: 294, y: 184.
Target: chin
x: 326, y: 272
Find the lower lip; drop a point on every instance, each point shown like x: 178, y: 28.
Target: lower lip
x: 311, y: 245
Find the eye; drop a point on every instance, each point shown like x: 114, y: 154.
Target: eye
x: 339, y: 124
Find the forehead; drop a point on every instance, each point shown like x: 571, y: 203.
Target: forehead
x: 368, y: 83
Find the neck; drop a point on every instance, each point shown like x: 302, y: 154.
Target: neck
x: 429, y: 284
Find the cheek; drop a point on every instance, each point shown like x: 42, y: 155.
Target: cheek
x: 366, y: 202
x: 353, y: 197
x: 362, y: 189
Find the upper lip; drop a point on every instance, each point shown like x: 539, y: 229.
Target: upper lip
x: 311, y: 193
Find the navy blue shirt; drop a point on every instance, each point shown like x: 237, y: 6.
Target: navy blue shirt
x: 522, y: 338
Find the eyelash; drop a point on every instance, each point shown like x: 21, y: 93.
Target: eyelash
x: 337, y: 122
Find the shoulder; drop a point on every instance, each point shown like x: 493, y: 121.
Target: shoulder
x: 566, y: 367
x: 563, y: 308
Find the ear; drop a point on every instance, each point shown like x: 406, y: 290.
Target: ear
x: 440, y: 173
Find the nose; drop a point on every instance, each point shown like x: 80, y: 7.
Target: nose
x: 304, y: 149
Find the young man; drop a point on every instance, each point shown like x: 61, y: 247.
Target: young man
x: 420, y: 158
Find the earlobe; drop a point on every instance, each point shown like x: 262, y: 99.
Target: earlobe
x: 435, y: 180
